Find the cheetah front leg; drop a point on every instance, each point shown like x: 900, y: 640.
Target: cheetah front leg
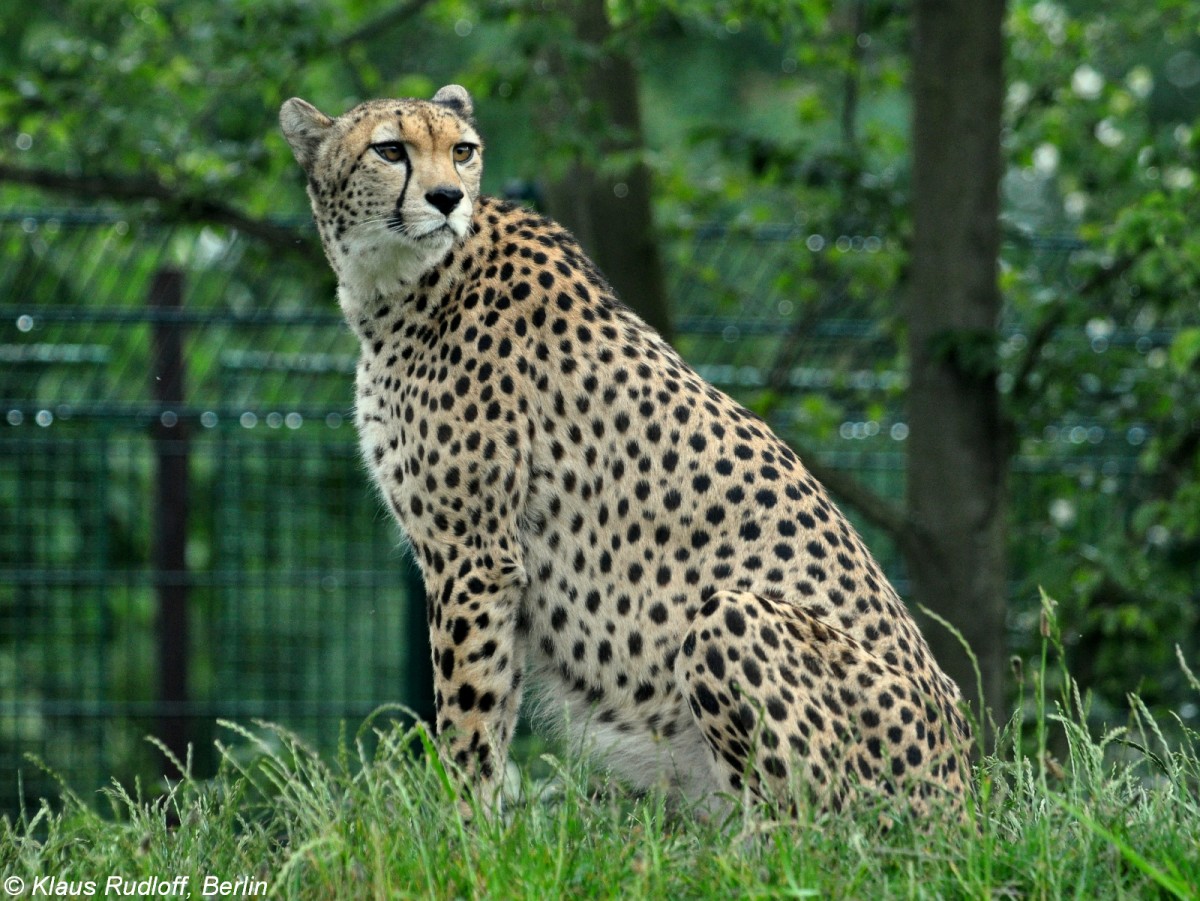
x: 797, y: 712
x: 474, y: 595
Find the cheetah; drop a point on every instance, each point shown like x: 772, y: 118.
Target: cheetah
x: 595, y: 521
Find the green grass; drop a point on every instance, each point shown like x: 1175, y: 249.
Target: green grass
x: 1117, y: 816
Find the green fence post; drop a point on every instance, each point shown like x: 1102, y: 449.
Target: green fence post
x: 418, y: 660
x: 170, y: 436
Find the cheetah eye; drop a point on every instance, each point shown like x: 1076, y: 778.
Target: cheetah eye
x: 392, y: 151
x: 464, y: 153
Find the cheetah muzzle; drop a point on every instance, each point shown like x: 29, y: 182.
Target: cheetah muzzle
x: 594, y: 520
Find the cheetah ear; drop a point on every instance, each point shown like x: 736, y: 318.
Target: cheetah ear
x: 305, y: 128
x: 456, y: 97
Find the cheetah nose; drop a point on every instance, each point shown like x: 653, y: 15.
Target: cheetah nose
x: 444, y: 199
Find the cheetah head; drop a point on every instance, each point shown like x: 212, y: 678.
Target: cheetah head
x: 393, y: 184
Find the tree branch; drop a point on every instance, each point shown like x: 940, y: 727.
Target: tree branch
x: 1022, y: 384
x: 177, y: 205
x: 1042, y: 334
x: 396, y: 15
x: 909, y: 537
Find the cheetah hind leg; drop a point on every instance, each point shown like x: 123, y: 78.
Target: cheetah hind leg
x: 800, y: 715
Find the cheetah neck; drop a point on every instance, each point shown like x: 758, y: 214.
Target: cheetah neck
x: 388, y: 279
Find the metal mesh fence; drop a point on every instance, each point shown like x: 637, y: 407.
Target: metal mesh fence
x: 186, y: 532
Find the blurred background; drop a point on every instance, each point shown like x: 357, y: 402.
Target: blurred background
x: 186, y: 531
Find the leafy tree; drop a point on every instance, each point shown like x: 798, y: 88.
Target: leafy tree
x: 796, y: 113
x: 604, y: 196
x: 155, y: 104
x: 1100, y: 130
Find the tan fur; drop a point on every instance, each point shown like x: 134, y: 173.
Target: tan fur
x: 593, y: 518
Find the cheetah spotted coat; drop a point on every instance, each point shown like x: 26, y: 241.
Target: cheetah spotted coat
x: 591, y: 518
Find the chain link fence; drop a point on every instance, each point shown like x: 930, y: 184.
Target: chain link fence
x: 187, y: 533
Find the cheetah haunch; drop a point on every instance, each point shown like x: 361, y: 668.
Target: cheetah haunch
x: 591, y: 517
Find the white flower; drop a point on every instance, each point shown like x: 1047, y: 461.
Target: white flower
x: 1108, y: 134
x: 1087, y: 83
x: 1062, y: 512
x: 1045, y: 159
x: 1140, y: 82
x: 1179, y: 177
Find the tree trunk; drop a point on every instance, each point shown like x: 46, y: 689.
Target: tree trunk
x: 957, y: 459
x: 611, y: 214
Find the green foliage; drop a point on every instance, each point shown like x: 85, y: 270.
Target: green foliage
x: 970, y: 352
x: 758, y: 113
x: 1101, y: 137
x: 180, y: 92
